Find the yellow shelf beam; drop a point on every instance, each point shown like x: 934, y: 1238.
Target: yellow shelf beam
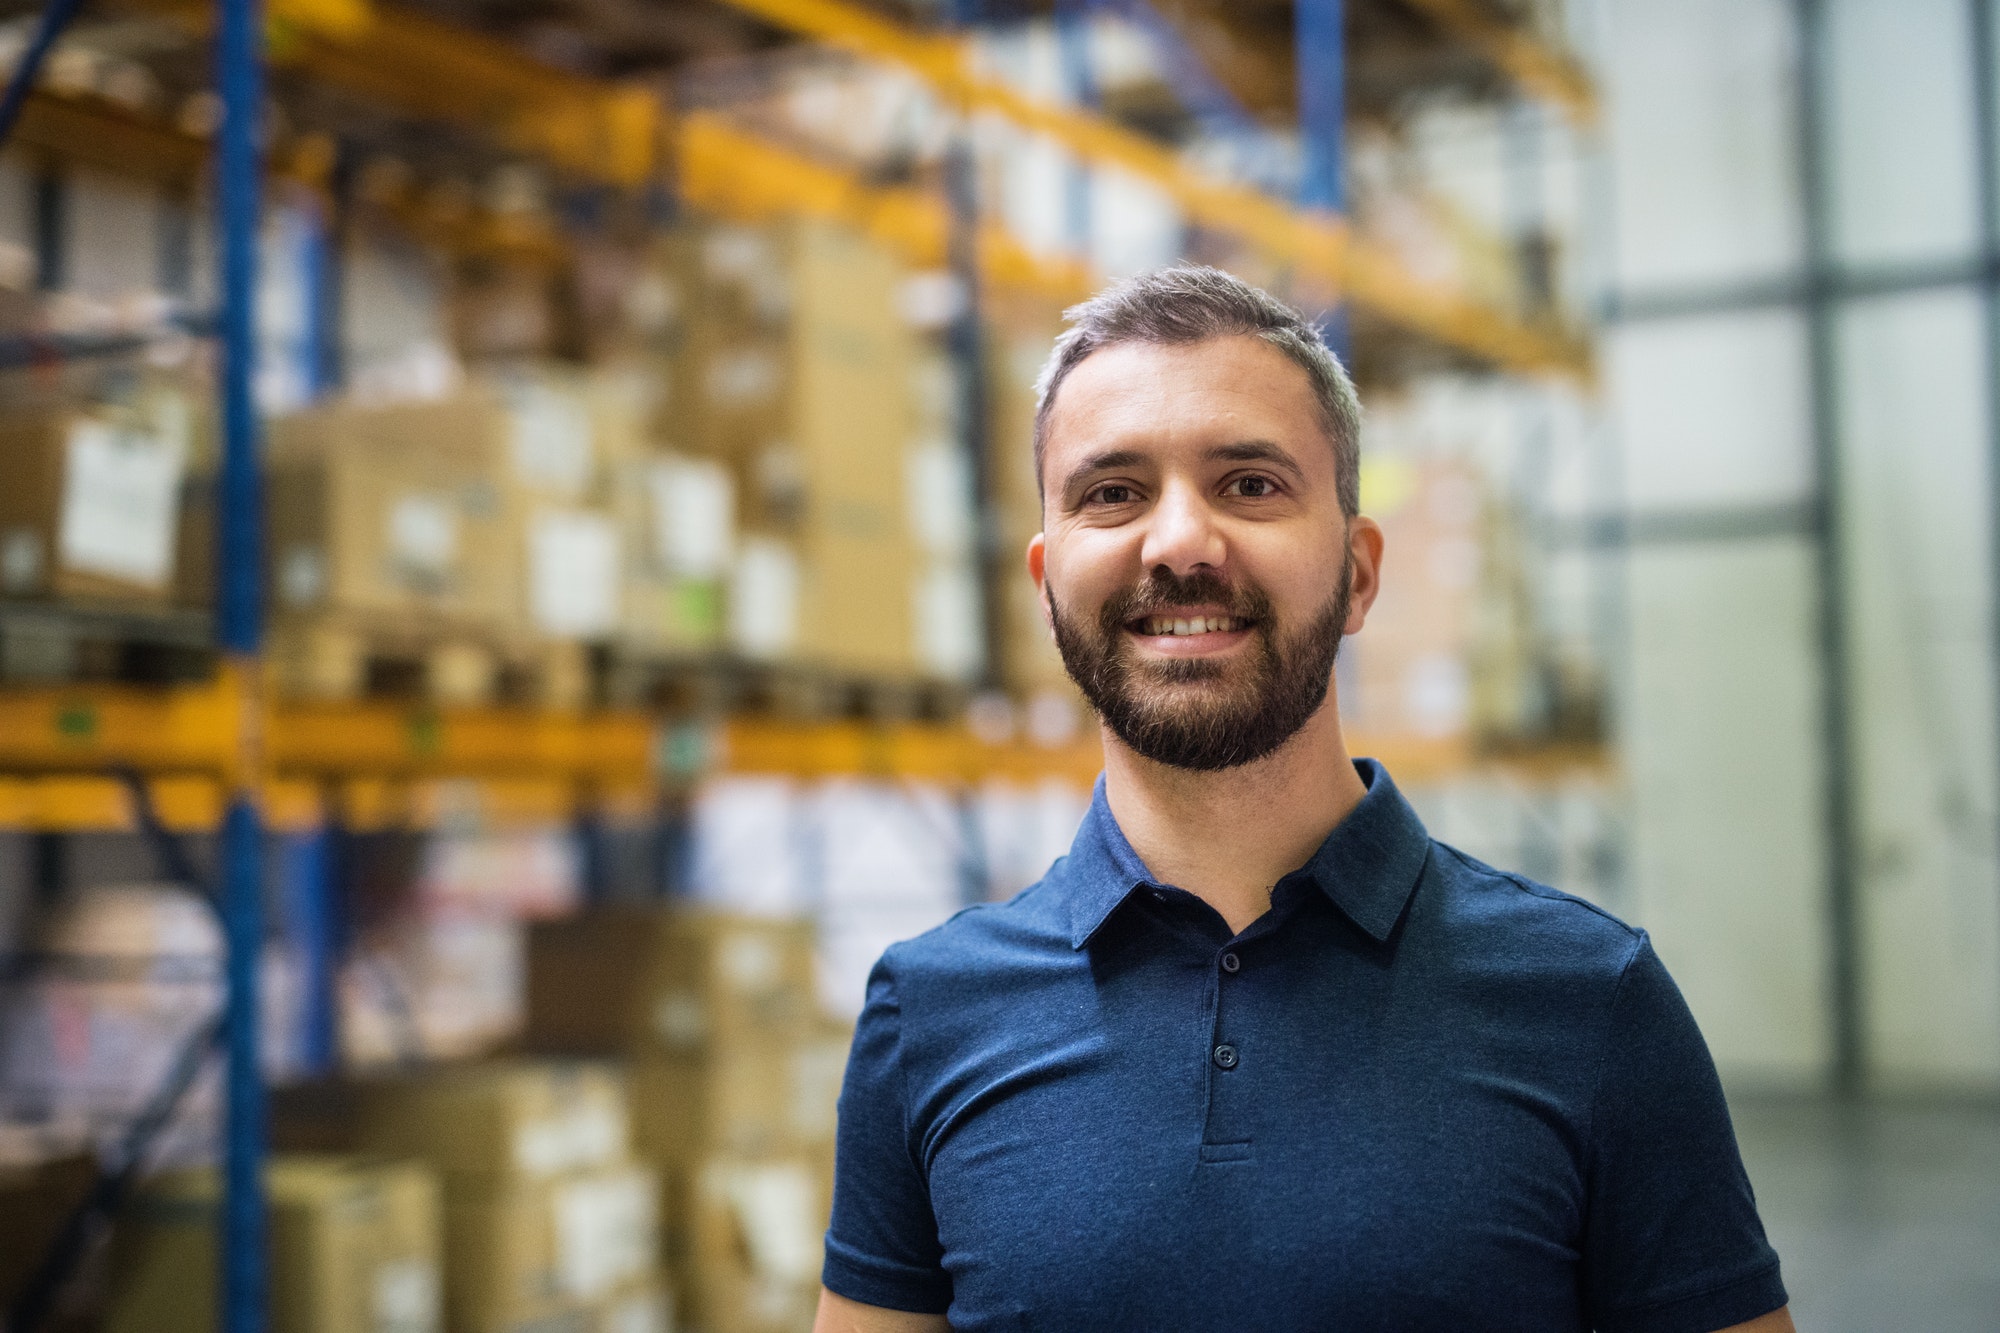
x: 1535, y: 67
x: 420, y: 67
x: 730, y: 171
x: 68, y: 803
x: 1319, y: 247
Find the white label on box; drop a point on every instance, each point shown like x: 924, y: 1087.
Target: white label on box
x: 550, y: 437
x: 573, y: 574
x: 121, y: 494
x: 606, y: 1232
x: 406, y: 1297
x: 680, y: 1020
x: 749, y: 964
x: 646, y: 1312
x: 423, y: 534
x: 694, y: 517
x: 743, y: 378
x: 817, y: 1071
x: 950, y: 639
x: 587, y: 1137
x: 774, y: 1207
x: 764, y: 599
x: 938, y: 486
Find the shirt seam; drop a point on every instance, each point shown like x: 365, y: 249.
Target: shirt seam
x: 1604, y: 1050
x: 1532, y: 889
x: 1764, y: 1269
x: 903, y: 1082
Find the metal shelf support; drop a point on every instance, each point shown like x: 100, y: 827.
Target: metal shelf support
x: 239, y: 63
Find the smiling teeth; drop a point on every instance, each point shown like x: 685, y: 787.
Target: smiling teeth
x: 1192, y: 625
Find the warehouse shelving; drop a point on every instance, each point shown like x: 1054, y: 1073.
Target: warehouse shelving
x: 1319, y: 246
x: 223, y: 757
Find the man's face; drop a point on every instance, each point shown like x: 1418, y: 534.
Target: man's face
x: 1194, y: 564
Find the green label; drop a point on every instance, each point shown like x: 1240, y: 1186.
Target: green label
x: 426, y: 732
x: 77, y: 721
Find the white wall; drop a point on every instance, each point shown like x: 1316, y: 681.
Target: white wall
x: 1713, y: 414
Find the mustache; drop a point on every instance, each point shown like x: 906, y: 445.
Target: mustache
x: 1163, y: 588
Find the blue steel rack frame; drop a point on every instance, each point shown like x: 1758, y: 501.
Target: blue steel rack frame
x: 239, y: 75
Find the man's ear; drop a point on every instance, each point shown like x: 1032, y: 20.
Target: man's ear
x: 1364, y: 551
x: 1038, y: 556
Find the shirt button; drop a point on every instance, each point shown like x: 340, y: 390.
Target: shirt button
x: 1231, y: 963
x: 1225, y: 1056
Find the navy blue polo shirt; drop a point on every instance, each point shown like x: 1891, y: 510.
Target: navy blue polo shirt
x: 1418, y: 1093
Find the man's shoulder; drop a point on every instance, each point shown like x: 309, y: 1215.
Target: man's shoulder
x: 1502, y: 914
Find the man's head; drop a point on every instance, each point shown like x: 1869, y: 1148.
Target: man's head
x: 1202, y: 553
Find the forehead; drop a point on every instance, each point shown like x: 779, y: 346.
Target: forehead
x: 1145, y: 395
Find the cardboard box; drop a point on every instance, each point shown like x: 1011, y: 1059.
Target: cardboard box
x: 393, y: 511
x: 38, y: 1192
x: 755, y: 1100
x: 1018, y: 342
x: 753, y: 1245
x: 853, y: 426
x: 636, y: 980
x: 519, y: 1250
x: 676, y: 518
x: 536, y: 1119
x: 646, y: 1307
x: 795, y: 373
x: 92, y: 505
x: 1408, y: 673
x: 354, y: 1249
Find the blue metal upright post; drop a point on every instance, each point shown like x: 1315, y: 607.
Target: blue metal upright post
x: 239, y: 621
x: 1321, y: 67
x: 1322, y: 80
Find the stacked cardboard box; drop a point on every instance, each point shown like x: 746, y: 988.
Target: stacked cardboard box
x: 1408, y: 674
x: 93, y: 507
x: 354, y: 1249
x: 387, y: 521
x: 796, y: 375
x: 548, y: 1222
x: 566, y: 540
x: 1022, y: 330
x: 735, y: 1077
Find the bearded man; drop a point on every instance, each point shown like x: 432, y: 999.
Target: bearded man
x: 1258, y: 1053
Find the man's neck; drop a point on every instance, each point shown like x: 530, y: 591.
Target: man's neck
x: 1228, y: 837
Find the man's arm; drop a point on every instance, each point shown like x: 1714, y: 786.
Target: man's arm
x: 1778, y: 1321
x: 837, y: 1314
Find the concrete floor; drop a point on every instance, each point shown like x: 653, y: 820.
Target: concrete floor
x: 1886, y: 1215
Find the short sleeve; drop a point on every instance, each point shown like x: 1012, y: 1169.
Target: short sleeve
x: 1672, y: 1241
x: 882, y: 1248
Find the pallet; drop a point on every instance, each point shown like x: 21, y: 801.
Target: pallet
x: 336, y: 657
x: 46, y: 642
x: 719, y: 685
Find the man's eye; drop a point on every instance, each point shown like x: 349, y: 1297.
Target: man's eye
x: 1251, y: 488
x: 1112, y: 495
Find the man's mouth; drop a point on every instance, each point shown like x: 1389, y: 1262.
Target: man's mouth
x: 1187, y: 625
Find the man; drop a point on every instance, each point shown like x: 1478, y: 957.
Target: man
x: 1258, y: 1054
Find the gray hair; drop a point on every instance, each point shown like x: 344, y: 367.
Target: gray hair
x: 1192, y: 303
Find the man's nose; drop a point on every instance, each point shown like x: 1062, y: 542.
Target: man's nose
x: 1181, y: 532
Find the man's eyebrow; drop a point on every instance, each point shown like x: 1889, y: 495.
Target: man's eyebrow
x: 1102, y: 462
x: 1259, y: 451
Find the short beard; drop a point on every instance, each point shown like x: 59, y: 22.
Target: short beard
x: 1181, y: 711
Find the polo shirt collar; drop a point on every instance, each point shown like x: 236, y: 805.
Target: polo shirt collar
x: 1369, y: 865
